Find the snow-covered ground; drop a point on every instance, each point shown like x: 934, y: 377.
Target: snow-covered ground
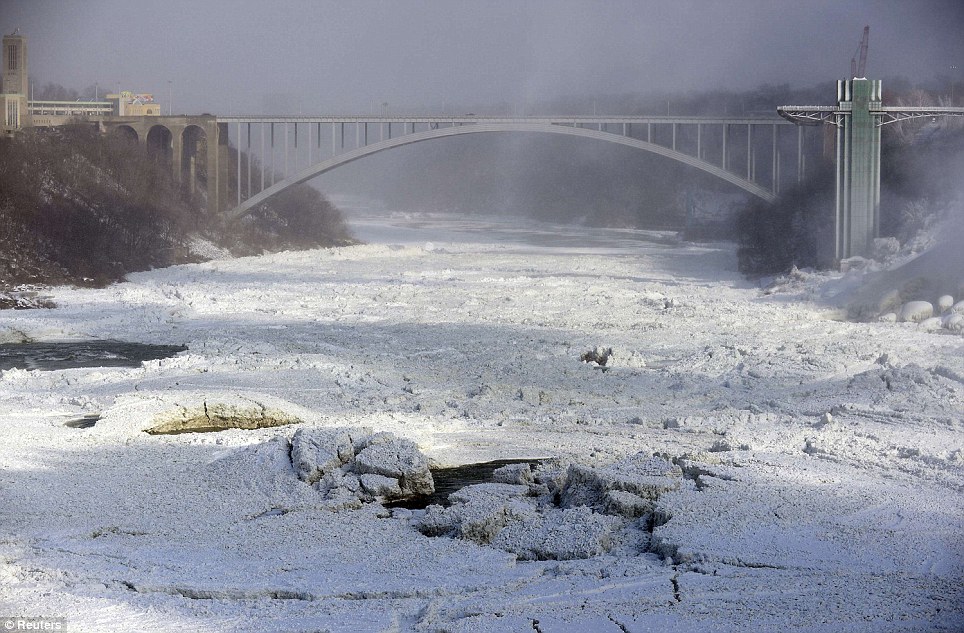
x: 815, y: 466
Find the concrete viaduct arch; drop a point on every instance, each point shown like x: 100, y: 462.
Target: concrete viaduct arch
x: 126, y: 132
x: 177, y: 137
x: 480, y: 128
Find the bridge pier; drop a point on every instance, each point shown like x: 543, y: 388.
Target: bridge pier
x: 177, y: 151
x: 221, y: 167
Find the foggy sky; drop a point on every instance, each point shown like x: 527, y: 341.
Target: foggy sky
x: 246, y: 56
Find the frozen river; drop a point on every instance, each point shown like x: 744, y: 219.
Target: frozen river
x: 814, y: 468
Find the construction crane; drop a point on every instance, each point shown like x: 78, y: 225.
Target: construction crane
x: 857, y: 68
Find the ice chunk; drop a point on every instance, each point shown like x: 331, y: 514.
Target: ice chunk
x: 514, y: 474
x: 381, y: 486
x: 478, y: 512
x: 640, y: 474
x: 559, y: 535
x: 317, y: 452
x: 626, y: 504
x: 399, y: 458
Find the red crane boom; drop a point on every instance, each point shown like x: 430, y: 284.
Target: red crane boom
x: 857, y: 68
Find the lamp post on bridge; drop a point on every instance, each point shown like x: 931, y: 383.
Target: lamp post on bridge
x: 955, y: 70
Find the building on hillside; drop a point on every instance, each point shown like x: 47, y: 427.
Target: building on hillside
x: 128, y: 103
x: 51, y: 113
x: 125, y: 103
x: 14, y: 109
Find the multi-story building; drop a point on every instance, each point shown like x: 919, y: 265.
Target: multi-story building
x: 128, y: 103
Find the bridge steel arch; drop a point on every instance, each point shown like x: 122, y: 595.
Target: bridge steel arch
x: 479, y: 128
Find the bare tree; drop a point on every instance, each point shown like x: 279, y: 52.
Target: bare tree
x: 907, y: 131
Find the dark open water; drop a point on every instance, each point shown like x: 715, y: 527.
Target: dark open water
x: 74, y: 354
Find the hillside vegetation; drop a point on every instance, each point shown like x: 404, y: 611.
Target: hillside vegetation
x: 80, y: 207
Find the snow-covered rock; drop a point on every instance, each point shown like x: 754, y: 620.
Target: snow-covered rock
x: 478, y: 512
x: 627, y: 358
x: 944, y: 303
x: 954, y: 322
x: 626, y: 504
x: 916, y: 311
x: 381, y: 486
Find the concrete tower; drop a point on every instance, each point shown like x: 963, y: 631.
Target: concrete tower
x: 15, y: 64
x: 858, y: 167
x: 13, y: 100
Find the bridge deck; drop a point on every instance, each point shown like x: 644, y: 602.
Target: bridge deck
x: 471, y: 118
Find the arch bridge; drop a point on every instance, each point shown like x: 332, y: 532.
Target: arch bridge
x: 747, y: 152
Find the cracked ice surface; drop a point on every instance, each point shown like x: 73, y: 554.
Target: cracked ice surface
x: 822, y: 461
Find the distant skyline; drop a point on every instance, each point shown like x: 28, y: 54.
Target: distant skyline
x: 243, y: 56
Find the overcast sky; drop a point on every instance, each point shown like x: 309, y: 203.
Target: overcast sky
x: 241, y: 56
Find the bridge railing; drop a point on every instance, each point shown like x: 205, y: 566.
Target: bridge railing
x: 69, y: 108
